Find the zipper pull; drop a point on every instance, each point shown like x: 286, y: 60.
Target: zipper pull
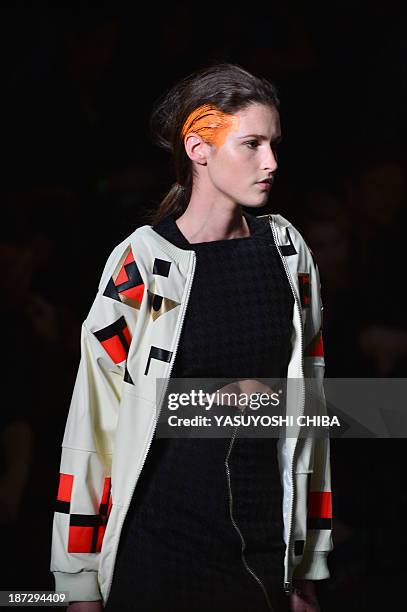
x: 288, y: 588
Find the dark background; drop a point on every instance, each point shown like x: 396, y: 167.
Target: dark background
x: 80, y: 172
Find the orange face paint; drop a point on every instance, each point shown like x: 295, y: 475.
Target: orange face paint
x: 212, y: 124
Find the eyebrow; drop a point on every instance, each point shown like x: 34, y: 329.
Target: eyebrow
x: 261, y: 137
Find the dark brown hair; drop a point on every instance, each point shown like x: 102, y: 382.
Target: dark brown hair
x: 228, y: 87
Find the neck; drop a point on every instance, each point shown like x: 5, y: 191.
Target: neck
x: 212, y: 216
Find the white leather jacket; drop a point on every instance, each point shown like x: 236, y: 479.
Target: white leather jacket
x: 129, y: 339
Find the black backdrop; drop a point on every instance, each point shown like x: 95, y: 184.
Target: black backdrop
x: 80, y: 171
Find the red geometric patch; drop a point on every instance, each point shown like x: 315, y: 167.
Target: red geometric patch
x: 320, y: 504
x: 80, y: 539
x: 319, y: 514
x: 126, y: 284
x: 106, y: 501
x: 65, y: 487
x: 86, y: 531
x: 305, y: 289
x: 114, y: 347
x: 315, y: 347
x: 115, y: 339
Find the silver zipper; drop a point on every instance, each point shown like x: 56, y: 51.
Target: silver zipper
x: 180, y: 325
x: 243, y: 543
x: 287, y: 582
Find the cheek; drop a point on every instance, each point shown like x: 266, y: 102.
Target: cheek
x: 236, y: 162
x: 230, y: 169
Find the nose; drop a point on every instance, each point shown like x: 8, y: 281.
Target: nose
x: 270, y: 159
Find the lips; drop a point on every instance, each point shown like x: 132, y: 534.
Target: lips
x: 265, y: 184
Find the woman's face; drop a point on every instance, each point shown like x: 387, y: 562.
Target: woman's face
x: 247, y: 156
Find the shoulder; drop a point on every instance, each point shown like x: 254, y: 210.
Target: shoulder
x: 129, y: 249
x: 290, y: 240
x: 284, y: 229
x: 279, y: 222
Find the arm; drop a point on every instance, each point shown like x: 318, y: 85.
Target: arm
x: 319, y: 518
x: 84, y: 498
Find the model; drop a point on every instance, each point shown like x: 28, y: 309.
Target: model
x: 206, y: 290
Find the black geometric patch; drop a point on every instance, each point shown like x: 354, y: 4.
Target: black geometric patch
x: 319, y: 523
x: 161, y: 267
x: 127, y: 378
x: 157, y: 353
x: 115, y: 339
x: 62, y: 506
x: 299, y: 547
x: 85, y: 520
x: 288, y: 249
x: 126, y: 285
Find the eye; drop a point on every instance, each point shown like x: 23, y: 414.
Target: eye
x: 252, y: 144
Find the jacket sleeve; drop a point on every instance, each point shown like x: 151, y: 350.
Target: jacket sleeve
x: 319, y: 500
x: 83, y: 499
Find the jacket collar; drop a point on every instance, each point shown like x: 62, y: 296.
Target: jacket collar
x: 182, y: 255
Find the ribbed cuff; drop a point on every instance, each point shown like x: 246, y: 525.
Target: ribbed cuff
x: 314, y: 566
x: 81, y: 586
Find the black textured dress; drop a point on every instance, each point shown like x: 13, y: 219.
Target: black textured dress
x: 179, y: 549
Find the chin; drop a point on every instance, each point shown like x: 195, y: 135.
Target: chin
x: 263, y: 202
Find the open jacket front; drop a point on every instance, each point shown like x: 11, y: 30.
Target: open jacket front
x: 130, y: 339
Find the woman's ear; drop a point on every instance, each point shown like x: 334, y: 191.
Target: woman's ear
x: 196, y: 148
